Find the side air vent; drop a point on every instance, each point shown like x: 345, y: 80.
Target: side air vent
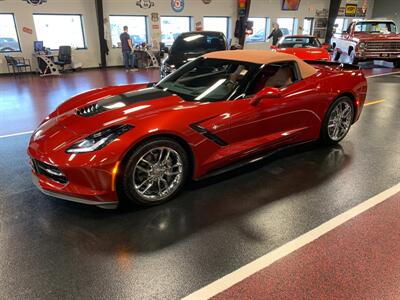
x: 90, y: 110
x: 208, y: 135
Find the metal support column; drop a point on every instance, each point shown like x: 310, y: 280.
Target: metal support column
x: 333, y: 12
x: 100, y: 25
x: 243, y: 22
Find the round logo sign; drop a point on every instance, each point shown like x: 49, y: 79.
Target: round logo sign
x: 35, y: 2
x: 178, y: 5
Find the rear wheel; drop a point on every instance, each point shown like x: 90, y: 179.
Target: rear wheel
x: 155, y: 172
x: 337, y: 121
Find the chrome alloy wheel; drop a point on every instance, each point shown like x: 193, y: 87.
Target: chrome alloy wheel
x: 340, y: 120
x: 158, y: 173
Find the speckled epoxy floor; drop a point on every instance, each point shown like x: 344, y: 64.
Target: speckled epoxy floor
x: 357, y: 260
x: 54, y: 249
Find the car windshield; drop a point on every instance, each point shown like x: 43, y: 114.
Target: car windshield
x: 375, y: 27
x: 299, y: 42
x: 209, y: 79
x: 199, y: 42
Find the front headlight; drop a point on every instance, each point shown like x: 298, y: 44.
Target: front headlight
x: 98, y: 140
x: 361, y: 46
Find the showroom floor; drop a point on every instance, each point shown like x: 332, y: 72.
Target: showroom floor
x: 52, y: 249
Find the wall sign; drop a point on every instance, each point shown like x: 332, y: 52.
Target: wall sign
x: 27, y: 30
x: 350, y: 10
x: 35, y: 2
x: 178, y: 5
x: 155, y: 17
x: 146, y: 4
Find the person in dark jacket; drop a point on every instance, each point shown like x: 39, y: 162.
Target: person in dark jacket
x: 276, y: 34
x: 127, y: 50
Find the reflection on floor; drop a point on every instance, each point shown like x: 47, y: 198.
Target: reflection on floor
x: 25, y: 100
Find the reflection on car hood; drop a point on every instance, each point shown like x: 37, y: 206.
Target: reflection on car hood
x: 109, y: 108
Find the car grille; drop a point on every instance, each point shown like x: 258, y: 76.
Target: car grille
x: 383, y: 46
x: 49, y: 171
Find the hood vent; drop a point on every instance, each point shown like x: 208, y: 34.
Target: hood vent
x: 90, y: 110
x: 122, y: 100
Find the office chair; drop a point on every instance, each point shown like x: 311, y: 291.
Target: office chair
x: 64, y: 57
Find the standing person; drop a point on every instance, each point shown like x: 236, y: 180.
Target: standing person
x: 127, y: 50
x: 276, y: 34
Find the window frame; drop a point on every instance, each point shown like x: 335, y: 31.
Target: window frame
x: 311, y: 27
x: 294, y: 23
x: 227, y: 24
x: 267, y: 28
x: 85, y: 46
x: 16, y: 32
x: 191, y: 27
x: 146, y: 23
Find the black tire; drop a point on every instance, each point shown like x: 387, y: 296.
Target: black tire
x: 127, y: 178
x: 336, y: 55
x: 325, y: 138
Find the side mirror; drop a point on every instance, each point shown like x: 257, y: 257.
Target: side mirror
x: 265, y: 93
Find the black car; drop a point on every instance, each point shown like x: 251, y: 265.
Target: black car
x: 189, y: 45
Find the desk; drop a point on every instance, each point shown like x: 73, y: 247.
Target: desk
x: 46, y: 65
x: 145, y: 59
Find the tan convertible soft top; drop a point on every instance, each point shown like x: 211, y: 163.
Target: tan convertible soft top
x: 262, y: 57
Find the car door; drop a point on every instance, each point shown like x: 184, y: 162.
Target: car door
x: 283, y: 116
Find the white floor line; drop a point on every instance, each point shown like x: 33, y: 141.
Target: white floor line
x: 15, y: 134
x: 242, y: 273
x: 384, y: 74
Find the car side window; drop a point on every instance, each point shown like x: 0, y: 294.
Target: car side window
x: 278, y: 75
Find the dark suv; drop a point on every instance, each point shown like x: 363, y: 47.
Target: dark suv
x: 190, y: 45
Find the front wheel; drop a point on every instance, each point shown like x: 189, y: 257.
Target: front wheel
x: 352, y: 58
x: 155, y: 172
x: 337, y: 121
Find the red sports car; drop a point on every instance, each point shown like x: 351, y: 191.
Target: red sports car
x: 141, y: 142
x: 303, y: 46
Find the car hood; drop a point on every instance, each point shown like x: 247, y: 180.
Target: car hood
x: 113, y: 106
x: 180, y: 58
x: 306, y: 53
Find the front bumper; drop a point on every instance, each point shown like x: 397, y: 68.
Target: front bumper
x: 38, y: 182
x: 93, y: 185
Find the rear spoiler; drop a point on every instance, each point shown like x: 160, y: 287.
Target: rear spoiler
x: 333, y: 64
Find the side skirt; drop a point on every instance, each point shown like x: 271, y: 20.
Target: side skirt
x: 251, y: 160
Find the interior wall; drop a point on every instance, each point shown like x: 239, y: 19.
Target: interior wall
x: 195, y: 8
x: 23, y: 17
x: 387, y: 9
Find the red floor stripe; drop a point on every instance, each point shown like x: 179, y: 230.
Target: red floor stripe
x: 360, y: 259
